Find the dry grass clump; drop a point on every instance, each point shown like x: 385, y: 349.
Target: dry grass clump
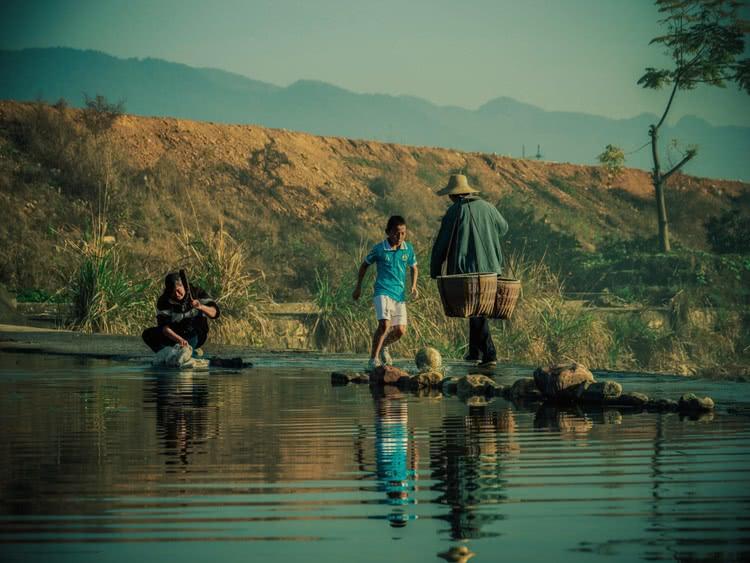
x: 105, y: 298
x: 218, y: 263
x: 544, y: 327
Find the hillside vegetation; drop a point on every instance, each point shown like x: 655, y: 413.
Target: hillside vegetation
x: 293, y: 213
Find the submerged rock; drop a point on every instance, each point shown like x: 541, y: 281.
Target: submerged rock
x: 360, y: 378
x: 562, y: 381
x: 340, y: 378
x: 344, y: 378
x: 426, y: 379
x: 631, y: 400
x: 600, y: 391
x: 661, y: 405
x: 428, y: 359
x: 449, y: 385
x: 523, y: 389
x: 458, y: 554
x: 691, y: 403
x: 476, y: 385
x: 476, y: 401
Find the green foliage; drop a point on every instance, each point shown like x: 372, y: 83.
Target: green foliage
x: 104, y: 296
x: 729, y: 233
x: 612, y: 159
x: 705, y: 40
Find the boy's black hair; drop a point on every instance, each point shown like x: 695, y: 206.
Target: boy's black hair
x: 394, y: 221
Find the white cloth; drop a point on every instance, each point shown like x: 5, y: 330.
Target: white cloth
x: 390, y: 309
x: 180, y: 357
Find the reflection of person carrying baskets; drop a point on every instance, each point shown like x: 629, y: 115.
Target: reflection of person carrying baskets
x: 467, y: 261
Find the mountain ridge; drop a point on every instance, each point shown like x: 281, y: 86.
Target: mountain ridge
x: 152, y: 86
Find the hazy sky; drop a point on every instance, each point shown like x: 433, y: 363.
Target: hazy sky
x: 573, y: 55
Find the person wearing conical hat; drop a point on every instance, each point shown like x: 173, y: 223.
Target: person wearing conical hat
x: 476, y: 228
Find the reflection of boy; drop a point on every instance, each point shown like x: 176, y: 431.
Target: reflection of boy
x: 393, y: 256
x: 391, y: 456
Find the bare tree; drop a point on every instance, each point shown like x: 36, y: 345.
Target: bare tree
x: 705, y: 40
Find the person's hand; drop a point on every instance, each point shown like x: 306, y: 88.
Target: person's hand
x: 182, y: 342
x: 195, y: 304
x: 356, y: 293
x: 414, y: 292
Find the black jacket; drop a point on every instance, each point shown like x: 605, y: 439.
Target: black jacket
x: 181, y: 317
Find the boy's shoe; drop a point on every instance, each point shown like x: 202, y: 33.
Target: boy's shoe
x: 373, y: 364
x: 385, y: 356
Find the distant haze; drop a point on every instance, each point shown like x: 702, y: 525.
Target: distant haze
x: 577, y: 55
x: 503, y: 125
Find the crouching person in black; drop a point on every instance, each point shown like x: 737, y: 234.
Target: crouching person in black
x: 180, y: 320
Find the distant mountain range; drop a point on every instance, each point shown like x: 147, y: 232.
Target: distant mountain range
x: 503, y: 125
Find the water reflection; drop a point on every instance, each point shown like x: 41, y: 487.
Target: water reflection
x: 181, y: 402
x: 188, y: 462
x: 395, y: 475
x: 466, y: 458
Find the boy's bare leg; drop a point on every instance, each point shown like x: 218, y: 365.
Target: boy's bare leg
x: 379, y: 337
x: 396, y: 332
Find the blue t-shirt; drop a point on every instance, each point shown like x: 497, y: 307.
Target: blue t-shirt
x: 392, y: 264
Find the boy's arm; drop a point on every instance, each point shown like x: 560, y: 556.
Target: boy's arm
x: 414, y: 276
x: 360, y: 276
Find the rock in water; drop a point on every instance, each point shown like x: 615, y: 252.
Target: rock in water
x: 523, y: 389
x: 428, y: 359
x: 476, y: 385
x: 562, y: 381
x: 388, y: 375
x: 690, y: 402
x: 601, y: 391
x: 426, y: 379
x: 632, y: 399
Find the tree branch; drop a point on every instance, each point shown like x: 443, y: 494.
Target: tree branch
x: 669, y: 104
x: 686, y: 158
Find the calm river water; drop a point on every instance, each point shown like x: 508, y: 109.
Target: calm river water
x: 106, y: 461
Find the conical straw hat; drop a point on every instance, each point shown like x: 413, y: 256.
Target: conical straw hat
x: 457, y: 185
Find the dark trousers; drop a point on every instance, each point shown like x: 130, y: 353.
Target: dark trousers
x: 155, y: 338
x: 481, y: 346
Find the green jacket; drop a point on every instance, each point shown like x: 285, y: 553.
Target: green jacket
x: 476, y: 241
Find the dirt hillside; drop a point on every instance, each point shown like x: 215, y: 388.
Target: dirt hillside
x: 288, y: 188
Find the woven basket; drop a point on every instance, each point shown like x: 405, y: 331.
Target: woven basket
x: 468, y: 295
x: 506, y: 296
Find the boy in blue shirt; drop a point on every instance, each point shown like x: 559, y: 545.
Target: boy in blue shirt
x: 393, y: 256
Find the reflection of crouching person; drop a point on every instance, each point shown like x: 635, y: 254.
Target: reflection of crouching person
x: 179, y: 319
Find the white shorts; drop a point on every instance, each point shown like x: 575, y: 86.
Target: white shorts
x: 390, y: 309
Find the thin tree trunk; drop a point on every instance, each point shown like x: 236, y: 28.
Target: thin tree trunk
x: 659, y: 180
x: 661, y: 212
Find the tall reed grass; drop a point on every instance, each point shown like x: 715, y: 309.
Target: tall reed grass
x: 216, y: 262
x: 104, y: 296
